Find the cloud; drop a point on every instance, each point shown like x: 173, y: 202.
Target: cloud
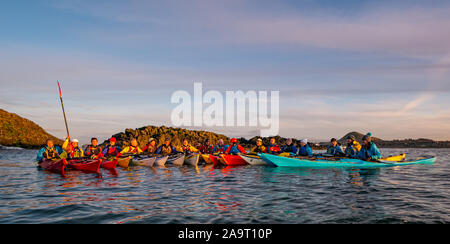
x: 416, y: 30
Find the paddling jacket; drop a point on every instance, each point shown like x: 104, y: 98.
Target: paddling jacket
x: 111, y: 150
x: 259, y: 149
x: 373, y: 152
x: 205, y: 149
x: 166, y: 150
x: 273, y: 149
x: 220, y: 149
x: 289, y: 148
x: 92, y: 151
x: 336, y: 151
x: 352, y: 149
x: 73, y: 152
x: 234, y: 149
x: 131, y: 149
x: 305, y: 151
x: 150, y: 149
x: 49, y: 153
x: 188, y: 149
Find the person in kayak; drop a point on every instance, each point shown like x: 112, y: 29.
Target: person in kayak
x: 369, y: 150
x: 132, y: 148
x: 150, y: 147
x: 235, y: 148
x: 335, y: 149
x: 273, y: 147
x: 187, y: 148
x: 72, y: 149
x: 112, y: 149
x: 94, y: 150
x: 353, y: 147
x: 49, y: 151
x: 289, y: 147
x: 305, y: 149
x: 207, y: 148
x: 220, y: 147
x: 259, y: 148
x: 166, y: 148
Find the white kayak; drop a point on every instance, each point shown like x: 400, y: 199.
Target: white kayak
x: 192, y: 159
x: 161, y: 161
x: 148, y: 162
x: 253, y: 159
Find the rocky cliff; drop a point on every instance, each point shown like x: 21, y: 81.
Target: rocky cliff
x: 20, y: 132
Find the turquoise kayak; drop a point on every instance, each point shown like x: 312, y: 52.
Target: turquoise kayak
x: 338, y: 163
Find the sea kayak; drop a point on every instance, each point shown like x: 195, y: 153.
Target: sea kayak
x: 206, y: 158
x: 192, y: 159
x: 57, y: 166
x: 147, y: 161
x: 109, y: 164
x: 338, y: 163
x: 85, y: 165
x: 232, y: 160
x: 161, y: 161
x: 216, y: 160
x: 177, y: 159
x: 124, y: 162
x: 253, y: 159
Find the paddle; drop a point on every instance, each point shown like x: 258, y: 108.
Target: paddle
x: 64, y: 113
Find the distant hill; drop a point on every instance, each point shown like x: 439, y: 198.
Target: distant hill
x: 20, y: 132
x: 142, y: 135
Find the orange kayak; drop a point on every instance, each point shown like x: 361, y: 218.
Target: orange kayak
x: 233, y: 160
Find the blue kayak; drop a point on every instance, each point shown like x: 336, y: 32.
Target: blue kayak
x: 337, y: 163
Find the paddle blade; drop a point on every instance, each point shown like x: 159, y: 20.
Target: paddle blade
x: 59, y: 87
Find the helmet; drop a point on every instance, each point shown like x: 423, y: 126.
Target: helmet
x: 75, y: 140
x: 113, y: 139
x: 234, y: 140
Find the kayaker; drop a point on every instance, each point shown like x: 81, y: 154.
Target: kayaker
x: 112, y: 149
x: 93, y: 150
x: 369, y: 151
x: 49, y: 151
x: 72, y: 148
x: 305, y: 149
x: 273, y: 148
x: 207, y: 148
x: 353, y: 147
x: 235, y: 148
x: 166, y: 148
x: 220, y: 147
x: 187, y: 148
x: 132, y: 148
x: 150, y: 147
x: 260, y: 148
x: 289, y: 147
x: 335, y: 149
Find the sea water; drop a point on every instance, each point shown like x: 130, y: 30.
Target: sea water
x: 245, y: 194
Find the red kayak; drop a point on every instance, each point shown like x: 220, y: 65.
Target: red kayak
x: 57, y: 166
x: 217, y: 161
x: 233, y: 160
x: 110, y: 164
x: 86, y: 165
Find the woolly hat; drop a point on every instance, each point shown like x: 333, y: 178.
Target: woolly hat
x: 304, y: 141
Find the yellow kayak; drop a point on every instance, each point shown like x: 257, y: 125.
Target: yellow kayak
x: 395, y: 158
x: 124, y: 162
x: 206, y: 158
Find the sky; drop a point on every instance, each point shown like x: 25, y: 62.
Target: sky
x: 340, y: 66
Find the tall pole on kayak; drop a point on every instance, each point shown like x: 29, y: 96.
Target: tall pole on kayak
x: 62, y: 105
